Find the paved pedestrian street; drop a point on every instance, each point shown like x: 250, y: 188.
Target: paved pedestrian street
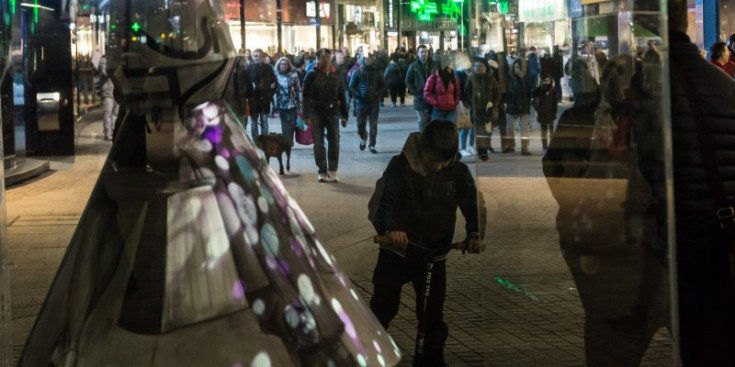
x: 516, y: 304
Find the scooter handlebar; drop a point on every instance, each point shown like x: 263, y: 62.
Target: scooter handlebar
x: 385, y: 240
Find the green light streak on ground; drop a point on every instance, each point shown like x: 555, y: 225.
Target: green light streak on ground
x: 508, y: 284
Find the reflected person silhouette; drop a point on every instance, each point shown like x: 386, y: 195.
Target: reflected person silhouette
x: 590, y: 170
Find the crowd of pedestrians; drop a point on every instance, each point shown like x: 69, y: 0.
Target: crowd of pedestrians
x: 498, y: 89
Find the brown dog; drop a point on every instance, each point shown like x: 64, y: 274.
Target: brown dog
x: 273, y: 145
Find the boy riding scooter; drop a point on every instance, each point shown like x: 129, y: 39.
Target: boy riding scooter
x: 415, y: 205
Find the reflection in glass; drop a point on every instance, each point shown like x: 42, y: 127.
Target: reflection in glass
x: 579, y: 226
x: 190, y: 251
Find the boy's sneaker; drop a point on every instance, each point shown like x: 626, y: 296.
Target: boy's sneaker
x: 465, y: 153
x: 393, y: 105
x: 322, y: 178
x: 332, y: 176
x: 362, y: 144
x: 471, y: 150
x: 372, y: 150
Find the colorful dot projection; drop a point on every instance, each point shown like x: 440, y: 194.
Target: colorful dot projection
x: 287, y: 277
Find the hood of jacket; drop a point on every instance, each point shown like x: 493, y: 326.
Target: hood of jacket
x: 412, y: 153
x: 524, y: 68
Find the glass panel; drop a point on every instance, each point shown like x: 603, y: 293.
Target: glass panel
x: 578, y: 270
x: 191, y: 248
x: 5, y: 107
x: 189, y: 238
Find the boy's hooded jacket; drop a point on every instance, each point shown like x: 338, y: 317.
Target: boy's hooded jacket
x: 424, y: 204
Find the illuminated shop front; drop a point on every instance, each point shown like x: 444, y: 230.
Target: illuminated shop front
x: 434, y: 23
x: 360, y: 25
x: 298, y: 24
x: 545, y: 23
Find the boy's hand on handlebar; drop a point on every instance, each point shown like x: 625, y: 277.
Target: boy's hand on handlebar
x: 472, y: 245
x: 399, y: 239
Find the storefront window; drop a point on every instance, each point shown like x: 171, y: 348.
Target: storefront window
x: 191, y: 248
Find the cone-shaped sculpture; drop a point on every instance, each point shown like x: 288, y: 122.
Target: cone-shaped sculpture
x: 190, y: 251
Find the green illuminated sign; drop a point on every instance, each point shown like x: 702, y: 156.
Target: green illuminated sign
x: 425, y: 10
x: 501, y: 4
x: 451, y: 9
x: 135, y: 27
x: 35, y: 11
x: 12, y: 6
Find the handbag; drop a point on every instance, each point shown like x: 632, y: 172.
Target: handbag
x: 304, y: 137
x: 463, y: 117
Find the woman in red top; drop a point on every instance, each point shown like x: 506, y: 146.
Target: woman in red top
x: 720, y: 57
x: 442, y: 92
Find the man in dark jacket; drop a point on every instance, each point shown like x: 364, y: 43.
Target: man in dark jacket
x: 264, y: 86
x: 239, y: 89
x: 368, y: 87
x: 395, y: 79
x: 704, y: 277
x: 423, y: 186
x: 324, y: 102
x: 416, y: 76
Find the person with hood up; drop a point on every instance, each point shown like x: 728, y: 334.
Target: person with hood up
x: 423, y: 187
x: 545, y: 103
x: 442, y: 91
x: 519, y: 105
x: 324, y: 103
x: 482, y: 95
x: 367, y: 86
x: 288, y: 97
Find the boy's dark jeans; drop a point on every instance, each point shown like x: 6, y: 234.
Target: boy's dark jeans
x: 391, y: 273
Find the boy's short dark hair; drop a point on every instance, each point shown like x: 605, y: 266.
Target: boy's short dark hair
x: 440, y: 138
